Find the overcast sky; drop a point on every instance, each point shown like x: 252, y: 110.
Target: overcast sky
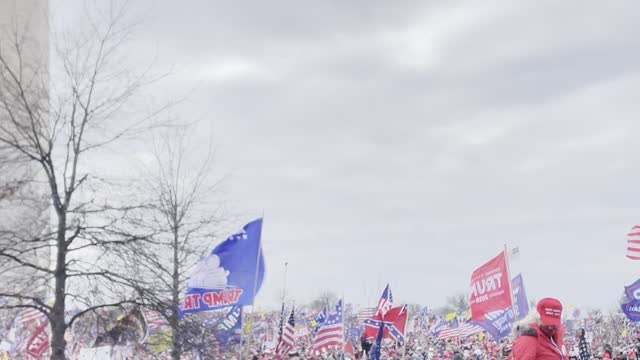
x: 407, y: 142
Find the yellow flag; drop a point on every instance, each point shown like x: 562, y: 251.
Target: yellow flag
x: 451, y: 316
x: 5, y: 356
x: 467, y: 315
x: 624, y: 333
x: 571, y: 306
x: 313, y: 323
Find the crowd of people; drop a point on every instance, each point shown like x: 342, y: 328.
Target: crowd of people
x: 544, y: 334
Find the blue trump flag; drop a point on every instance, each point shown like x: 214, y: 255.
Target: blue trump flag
x: 633, y: 291
x: 227, y: 276
x: 229, y: 330
x: 632, y: 310
x: 520, y: 301
x: 498, y: 324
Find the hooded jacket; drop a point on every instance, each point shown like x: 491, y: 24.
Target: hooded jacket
x: 533, y: 344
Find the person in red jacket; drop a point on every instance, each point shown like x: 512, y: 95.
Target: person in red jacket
x: 542, y: 338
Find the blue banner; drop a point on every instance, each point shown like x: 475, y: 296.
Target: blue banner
x: 520, y: 301
x: 498, y: 324
x: 632, y: 310
x: 227, y: 276
x: 633, y: 291
x: 229, y: 330
x: 443, y: 325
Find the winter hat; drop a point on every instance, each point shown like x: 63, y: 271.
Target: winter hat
x: 550, y: 311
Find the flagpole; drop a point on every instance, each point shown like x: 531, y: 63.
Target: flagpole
x: 282, y: 314
x: 255, y: 278
x: 506, y: 256
x: 242, y: 343
x: 344, y: 306
x: 255, y: 286
x: 284, y: 286
x: 404, y: 343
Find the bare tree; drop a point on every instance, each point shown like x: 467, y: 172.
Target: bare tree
x: 326, y: 299
x: 459, y: 303
x: 414, y: 309
x: 182, y: 212
x: 56, y: 124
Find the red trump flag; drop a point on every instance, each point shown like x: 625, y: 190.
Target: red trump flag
x: 490, y: 288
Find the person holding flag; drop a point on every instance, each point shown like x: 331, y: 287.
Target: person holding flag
x: 542, y: 338
x: 583, y: 346
x: 365, y: 345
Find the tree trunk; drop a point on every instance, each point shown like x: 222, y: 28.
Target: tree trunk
x: 176, y: 352
x: 57, y: 321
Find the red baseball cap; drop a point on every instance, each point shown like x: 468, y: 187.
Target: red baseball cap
x: 550, y: 311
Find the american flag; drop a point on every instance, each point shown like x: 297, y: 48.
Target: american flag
x: 302, y: 332
x: 155, y: 319
x: 29, y: 315
x: 320, y: 319
x: 286, y: 342
x: 386, y: 302
x: 633, y: 243
x: 365, y: 314
x: 462, y: 331
x: 331, y: 333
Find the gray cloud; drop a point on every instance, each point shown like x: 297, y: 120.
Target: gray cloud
x: 408, y: 143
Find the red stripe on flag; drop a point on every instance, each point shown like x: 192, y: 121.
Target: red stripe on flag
x: 633, y: 243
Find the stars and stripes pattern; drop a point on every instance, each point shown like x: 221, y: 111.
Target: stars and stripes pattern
x: 583, y: 350
x: 286, y: 342
x: 462, y: 331
x: 302, y: 332
x: 155, y: 319
x: 633, y: 243
x: 320, y: 319
x: 331, y: 332
x: 30, y: 315
x: 386, y: 302
x: 365, y: 314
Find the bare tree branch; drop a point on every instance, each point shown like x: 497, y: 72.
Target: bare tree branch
x: 53, y: 130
